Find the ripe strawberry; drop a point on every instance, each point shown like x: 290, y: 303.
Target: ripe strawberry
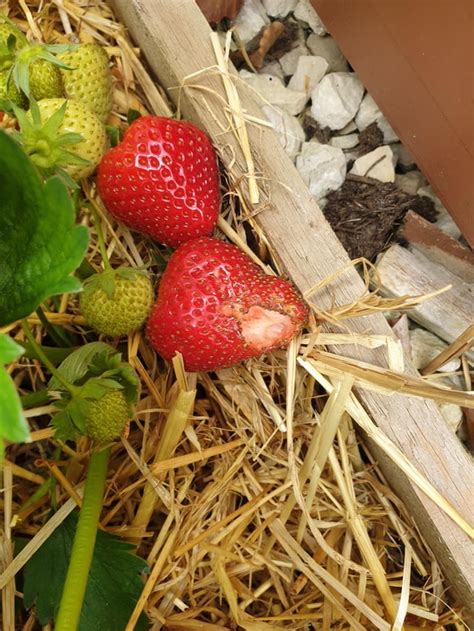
x: 89, y: 78
x: 107, y: 417
x: 217, y: 307
x: 162, y: 180
x: 117, y: 302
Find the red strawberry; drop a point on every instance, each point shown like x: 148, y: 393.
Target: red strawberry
x: 162, y: 180
x: 217, y: 307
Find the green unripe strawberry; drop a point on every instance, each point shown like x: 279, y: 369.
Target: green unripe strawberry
x: 8, y: 90
x: 89, y: 79
x: 78, y: 119
x: 45, y: 80
x: 107, y: 417
x: 7, y: 53
x: 7, y: 29
x: 117, y: 302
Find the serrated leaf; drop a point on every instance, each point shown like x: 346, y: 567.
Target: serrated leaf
x: 13, y: 425
x: 113, y: 588
x: 75, y: 367
x: 40, y: 244
x: 64, y: 428
x: 9, y: 349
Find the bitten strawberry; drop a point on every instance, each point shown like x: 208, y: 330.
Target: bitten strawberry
x: 117, y: 302
x: 217, y: 307
x: 162, y: 180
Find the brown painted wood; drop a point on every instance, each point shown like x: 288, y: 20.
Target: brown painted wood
x: 174, y: 37
x: 416, y: 58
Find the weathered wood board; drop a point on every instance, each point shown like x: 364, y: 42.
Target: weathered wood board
x: 175, y: 40
x: 447, y: 315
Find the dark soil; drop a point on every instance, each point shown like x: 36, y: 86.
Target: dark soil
x: 369, y: 139
x: 366, y: 214
x: 312, y: 129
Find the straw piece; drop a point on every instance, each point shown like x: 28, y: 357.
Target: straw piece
x: 404, y: 594
x: 34, y: 544
x: 239, y: 121
x: 6, y: 545
x: 460, y: 345
x: 387, y: 381
x: 360, y: 416
x: 307, y: 565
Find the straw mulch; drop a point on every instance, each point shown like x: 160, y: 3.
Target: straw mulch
x: 247, y: 491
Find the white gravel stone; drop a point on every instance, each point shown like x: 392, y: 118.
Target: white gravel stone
x: 410, y: 182
x: 309, y: 72
x: 404, y: 158
x: 444, y: 222
x: 273, y: 90
x: 289, y: 61
x: 369, y: 113
x: 322, y: 167
x: 349, y: 141
x: 326, y: 47
x: 274, y: 68
x: 250, y: 21
x: 288, y: 128
x: 279, y: 8
x: 425, y: 346
x: 348, y: 129
x: 336, y: 99
x: 384, y: 165
x: 452, y: 414
x: 305, y: 12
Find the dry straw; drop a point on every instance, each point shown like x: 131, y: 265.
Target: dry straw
x: 247, y: 491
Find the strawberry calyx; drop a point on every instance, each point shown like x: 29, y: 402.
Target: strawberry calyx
x: 106, y: 280
x: 44, y: 144
x: 31, y: 53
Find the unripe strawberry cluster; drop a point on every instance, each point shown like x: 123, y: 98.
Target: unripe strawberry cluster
x: 77, y: 77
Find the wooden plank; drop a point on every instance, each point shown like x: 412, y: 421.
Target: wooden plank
x: 416, y: 60
x: 438, y: 246
x: 448, y: 315
x: 175, y: 39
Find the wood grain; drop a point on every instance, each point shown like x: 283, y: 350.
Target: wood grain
x: 175, y: 39
x: 410, y: 273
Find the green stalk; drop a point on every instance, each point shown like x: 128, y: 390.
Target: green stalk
x: 83, y: 546
x: 44, y: 360
x: 55, y: 332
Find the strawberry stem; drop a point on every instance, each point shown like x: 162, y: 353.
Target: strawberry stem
x: 84, y: 542
x: 44, y: 360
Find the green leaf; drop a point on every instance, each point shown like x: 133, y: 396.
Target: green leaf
x: 75, y: 367
x: 114, y: 585
x: 9, y: 349
x: 13, y: 426
x: 40, y: 245
x: 133, y: 115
